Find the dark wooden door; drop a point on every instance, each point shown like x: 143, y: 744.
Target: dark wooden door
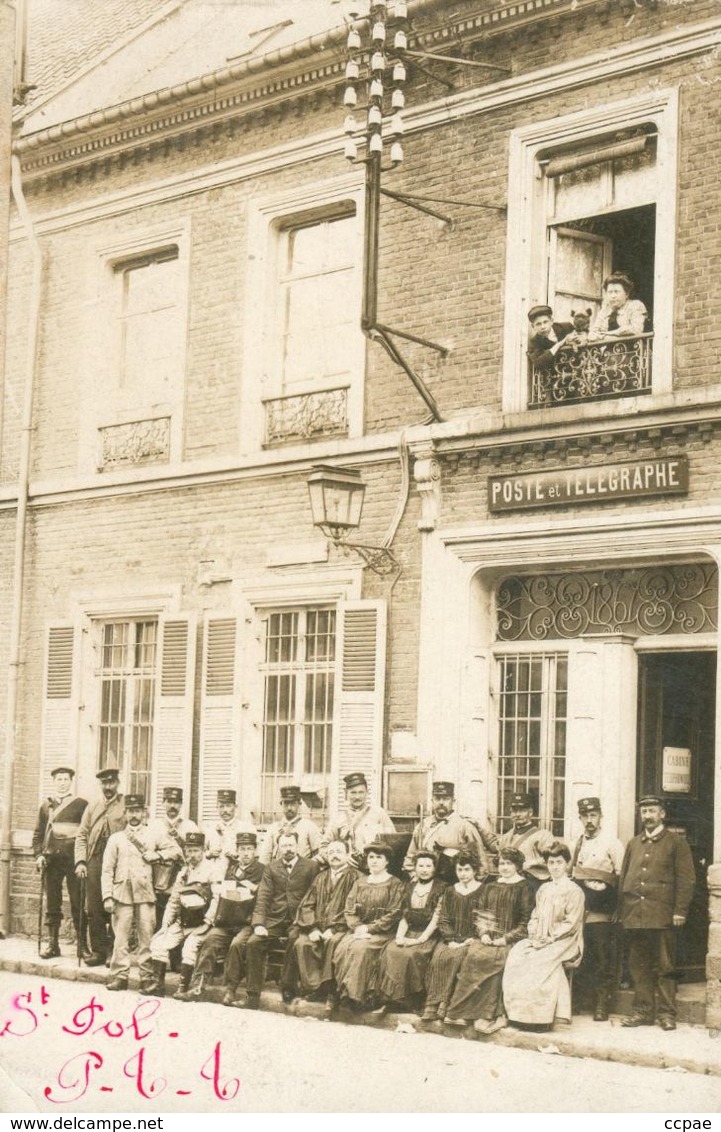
x: 677, y: 697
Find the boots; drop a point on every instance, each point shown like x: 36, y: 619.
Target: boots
x: 600, y: 1014
x: 197, y: 987
x: 186, y: 971
x: 153, y: 982
x: 52, y: 948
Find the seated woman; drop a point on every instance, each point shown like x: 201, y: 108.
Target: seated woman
x: 505, y: 906
x: 405, y: 961
x: 455, y: 925
x: 535, y: 987
x: 620, y: 315
x: 372, y: 913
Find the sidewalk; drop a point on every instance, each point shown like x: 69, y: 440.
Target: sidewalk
x: 691, y: 1049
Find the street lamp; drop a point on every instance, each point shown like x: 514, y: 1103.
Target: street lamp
x: 336, y: 502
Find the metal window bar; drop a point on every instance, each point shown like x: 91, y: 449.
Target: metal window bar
x: 531, y: 713
x: 127, y: 701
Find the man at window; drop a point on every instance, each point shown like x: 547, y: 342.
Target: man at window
x: 547, y: 337
x: 620, y: 315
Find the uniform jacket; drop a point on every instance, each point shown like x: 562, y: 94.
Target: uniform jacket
x: 99, y: 821
x: 453, y: 832
x: 172, y: 834
x: 188, y: 875
x: 126, y: 876
x: 532, y: 842
x: 308, y: 838
x: 657, y: 880
x: 57, y: 826
x: 358, y: 828
x: 597, y: 858
x: 220, y: 836
x: 236, y: 880
x: 280, y: 892
x: 323, y: 906
x: 539, y: 347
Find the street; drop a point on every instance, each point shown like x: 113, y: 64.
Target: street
x: 73, y: 1047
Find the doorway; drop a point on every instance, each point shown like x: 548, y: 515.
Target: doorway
x: 676, y: 720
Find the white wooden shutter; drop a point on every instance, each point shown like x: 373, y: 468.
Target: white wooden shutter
x: 59, y: 724
x: 173, y: 739
x: 578, y: 264
x: 219, y: 730
x: 358, y: 730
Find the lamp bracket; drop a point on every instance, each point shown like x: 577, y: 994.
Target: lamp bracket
x: 379, y: 559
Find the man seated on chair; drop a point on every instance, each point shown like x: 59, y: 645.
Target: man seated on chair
x: 284, y: 884
x: 229, y: 914
x: 321, y: 923
x: 184, y: 916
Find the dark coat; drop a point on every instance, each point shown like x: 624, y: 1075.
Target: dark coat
x: 57, y: 827
x: 539, y: 347
x: 280, y: 892
x: 657, y: 881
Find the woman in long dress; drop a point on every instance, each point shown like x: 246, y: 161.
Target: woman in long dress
x: 405, y: 960
x: 535, y: 986
x: 504, y: 909
x: 372, y: 913
x: 456, y: 928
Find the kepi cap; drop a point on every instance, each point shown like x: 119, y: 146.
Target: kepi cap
x: 227, y: 796
x: 537, y: 311
x: 195, y: 839
x: 589, y: 806
x: 172, y: 794
x: 134, y: 802
x: 108, y: 772
x: 443, y: 789
x: 652, y: 800
x: 521, y: 801
x: 246, y: 838
x: 355, y: 779
x: 62, y: 770
x: 290, y: 793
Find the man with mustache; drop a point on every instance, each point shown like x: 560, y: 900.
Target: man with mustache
x: 656, y: 888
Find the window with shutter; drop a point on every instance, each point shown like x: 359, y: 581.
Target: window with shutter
x: 219, y: 731
x: 358, y: 742
x: 59, y: 735
x: 173, y: 746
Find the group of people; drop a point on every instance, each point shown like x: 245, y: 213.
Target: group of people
x: 481, y: 929
x: 620, y: 316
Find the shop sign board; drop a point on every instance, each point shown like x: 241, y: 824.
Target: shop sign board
x: 676, y: 776
x: 594, y: 483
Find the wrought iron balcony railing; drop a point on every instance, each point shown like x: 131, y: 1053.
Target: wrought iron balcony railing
x: 618, y: 367
x: 306, y: 416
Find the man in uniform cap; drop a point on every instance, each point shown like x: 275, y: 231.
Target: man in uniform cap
x: 99, y: 821
x: 656, y: 888
x: 526, y: 835
x: 308, y: 832
x: 361, y: 822
x: 229, y: 914
x: 547, y: 337
x: 184, y: 919
x: 220, y: 835
x: 596, y: 865
x: 169, y: 826
x: 445, y: 832
x: 54, y: 850
x: 128, y: 894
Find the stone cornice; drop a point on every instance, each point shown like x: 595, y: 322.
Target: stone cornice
x: 312, y: 66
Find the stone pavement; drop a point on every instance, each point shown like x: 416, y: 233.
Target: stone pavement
x: 691, y: 1048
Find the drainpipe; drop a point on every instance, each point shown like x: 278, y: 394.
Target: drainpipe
x: 20, y: 539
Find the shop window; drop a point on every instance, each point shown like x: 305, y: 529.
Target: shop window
x: 591, y: 196
x: 531, y: 708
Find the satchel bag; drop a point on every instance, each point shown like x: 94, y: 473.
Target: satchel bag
x: 194, y: 901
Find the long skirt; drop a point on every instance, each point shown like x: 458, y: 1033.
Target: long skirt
x: 403, y: 970
x: 478, y: 987
x: 535, y: 987
x: 356, y: 966
x: 314, y: 961
x: 445, y: 965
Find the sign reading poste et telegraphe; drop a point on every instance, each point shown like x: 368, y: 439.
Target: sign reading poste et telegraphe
x: 595, y: 483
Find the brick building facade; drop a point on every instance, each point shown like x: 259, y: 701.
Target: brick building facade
x: 199, y: 351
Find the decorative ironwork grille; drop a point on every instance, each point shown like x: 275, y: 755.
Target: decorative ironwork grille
x: 307, y: 416
x: 299, y: 676
x: 662, y: 599
x: 594, y: 371
x: 531, y: 696
x: 140, y: 442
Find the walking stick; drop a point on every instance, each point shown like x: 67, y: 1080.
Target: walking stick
x: 40, y: 908
x: 81, y: 923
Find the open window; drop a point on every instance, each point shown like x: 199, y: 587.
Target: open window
x: 592, y: 195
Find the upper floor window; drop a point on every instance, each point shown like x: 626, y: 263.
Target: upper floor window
x: 591, y: 199
x: 303, y: 369
x: 150, y: 346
